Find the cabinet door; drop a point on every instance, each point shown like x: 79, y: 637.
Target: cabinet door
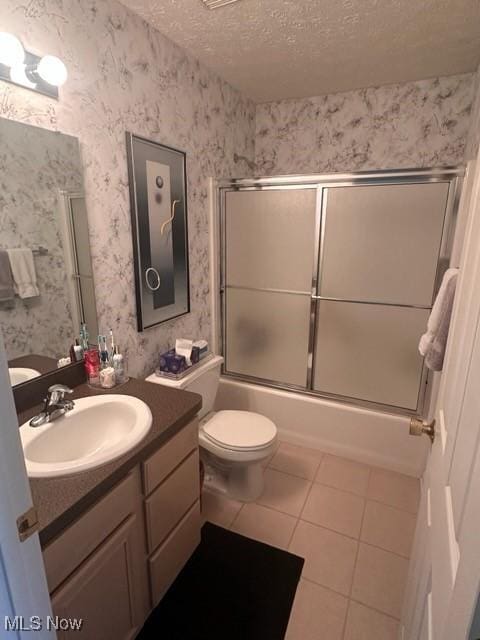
x: 106, y: 590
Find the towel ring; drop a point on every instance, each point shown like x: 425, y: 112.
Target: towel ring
x: 162, y: 228
x: 147, y: 273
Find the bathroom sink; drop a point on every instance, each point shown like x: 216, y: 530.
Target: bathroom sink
x: 96, y: 431
x: 21, y: 374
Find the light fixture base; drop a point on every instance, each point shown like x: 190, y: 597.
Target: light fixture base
x: 40, y: 86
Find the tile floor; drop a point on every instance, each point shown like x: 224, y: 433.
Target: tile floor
x: 354, y: 526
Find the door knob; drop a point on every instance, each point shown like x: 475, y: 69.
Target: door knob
x: 418, y: 427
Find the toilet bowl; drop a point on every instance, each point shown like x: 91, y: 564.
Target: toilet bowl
x: 233, y: 444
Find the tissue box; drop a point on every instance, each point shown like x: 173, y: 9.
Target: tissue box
x: 170, y: 362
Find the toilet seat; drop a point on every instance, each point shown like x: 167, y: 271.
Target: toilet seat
x: 240, y: 430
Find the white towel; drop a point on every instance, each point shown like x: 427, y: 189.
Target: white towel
x: 433, y: 342
x: 23, y: 271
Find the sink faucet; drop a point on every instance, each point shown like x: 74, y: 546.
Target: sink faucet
x: 56, y: 405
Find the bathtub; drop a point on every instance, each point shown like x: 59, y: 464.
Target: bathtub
x: 364, y: 435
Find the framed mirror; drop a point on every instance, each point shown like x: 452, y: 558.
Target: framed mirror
x: 158, y: 199
x: 46, y: 280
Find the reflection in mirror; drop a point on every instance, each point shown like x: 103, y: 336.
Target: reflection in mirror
x: 46, y: 281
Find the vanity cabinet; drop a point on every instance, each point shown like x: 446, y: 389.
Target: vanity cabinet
x: 116, y: 561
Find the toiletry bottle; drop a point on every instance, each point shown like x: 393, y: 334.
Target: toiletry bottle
x: 77, y: 351
x: 103, y: 351
x: 92, y: 366
x: 118, y: 366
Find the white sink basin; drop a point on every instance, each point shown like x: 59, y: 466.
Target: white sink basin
x: 22, y: 374
x: 98, y: 430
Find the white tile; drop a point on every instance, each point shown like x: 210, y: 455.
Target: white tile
x: 394, y: 489
x: 284, y: 492
x: 334, y: 509
x: 343, y: 474
x: 219, y: 509
x: 366, y: 624
x: 329, y: 556
x: 317, y: 613
x: 389, y: 528
x: 379, y: 580
x: 298, y: 461
x: 264, y: 524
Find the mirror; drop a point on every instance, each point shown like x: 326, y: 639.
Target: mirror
x: 46, y: 281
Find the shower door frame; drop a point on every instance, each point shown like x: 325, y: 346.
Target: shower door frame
x: 320, y: 182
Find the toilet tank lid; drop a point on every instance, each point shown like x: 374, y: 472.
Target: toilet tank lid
x: 210, y: 362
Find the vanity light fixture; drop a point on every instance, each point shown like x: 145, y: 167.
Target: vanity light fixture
x: 216, y: 4
x: 42, y: 74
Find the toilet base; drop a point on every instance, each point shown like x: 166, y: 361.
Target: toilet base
x: 238, y: 481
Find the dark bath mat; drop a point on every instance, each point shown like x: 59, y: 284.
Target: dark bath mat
x: 232, y: 588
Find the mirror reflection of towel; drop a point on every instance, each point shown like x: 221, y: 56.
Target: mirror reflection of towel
x: 23, y: 271
x: 6, y: 280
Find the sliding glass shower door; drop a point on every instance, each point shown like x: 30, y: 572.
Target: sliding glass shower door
x: 328, y: 285
x: 268, y: 282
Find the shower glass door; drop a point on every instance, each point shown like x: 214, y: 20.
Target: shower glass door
x: 328, y: 284
x: 269, y: 239
x: 378, y: 264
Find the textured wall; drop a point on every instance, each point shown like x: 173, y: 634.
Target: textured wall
x: 34, y: 165
x: 416, y: 124
x: 124, y: 75
x: 473, y: 142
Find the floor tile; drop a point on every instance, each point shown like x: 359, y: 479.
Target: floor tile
x: 394, y: 489
x: 334, y: 509
x: 298, y: 461
x: 329, y: 556
x: 219, y: 509
x: 379, y: 579
x: 264, y: 524
x: 316, y: 613
x: 388, y: 528
x: 284, y: 492
x: 366, y: 624
x: 343, y: 474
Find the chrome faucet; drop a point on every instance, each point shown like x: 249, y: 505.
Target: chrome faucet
x: 56, y: 405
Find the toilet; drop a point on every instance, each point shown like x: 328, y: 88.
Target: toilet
x: 233, y: 444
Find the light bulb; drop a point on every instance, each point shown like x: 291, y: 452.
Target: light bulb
x: 11, y: 50
x: 52, y: 70
x: 18, y: 75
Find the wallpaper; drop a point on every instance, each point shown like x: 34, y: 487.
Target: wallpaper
x: 473, y: 142
x: 126, y: 76
x: 35, y: 164
x: 416, y: 124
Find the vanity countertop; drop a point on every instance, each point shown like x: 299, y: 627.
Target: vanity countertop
x: 59, y: 501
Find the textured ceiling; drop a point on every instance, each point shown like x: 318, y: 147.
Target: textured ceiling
x: 275, y: 49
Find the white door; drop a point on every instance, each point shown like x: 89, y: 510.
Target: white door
x: 444, y: 577
x: 24, y: 599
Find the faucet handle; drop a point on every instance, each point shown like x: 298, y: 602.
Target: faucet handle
x: 57, y: 392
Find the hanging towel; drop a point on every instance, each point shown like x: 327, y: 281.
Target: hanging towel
x: 433, y: 343
x: 23, y: 270
x: 6, y: 279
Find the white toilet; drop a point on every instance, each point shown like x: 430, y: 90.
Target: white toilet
x: 233, y: 444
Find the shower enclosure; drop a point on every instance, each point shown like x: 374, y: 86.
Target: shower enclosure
x: 327, y: 281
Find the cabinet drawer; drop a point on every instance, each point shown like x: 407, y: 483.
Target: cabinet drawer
x: 167, y: 562
x: 69, y: 550
x: 164, y: 461
x: 168, y: 504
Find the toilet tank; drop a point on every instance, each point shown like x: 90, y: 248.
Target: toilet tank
x: 203, y: 380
